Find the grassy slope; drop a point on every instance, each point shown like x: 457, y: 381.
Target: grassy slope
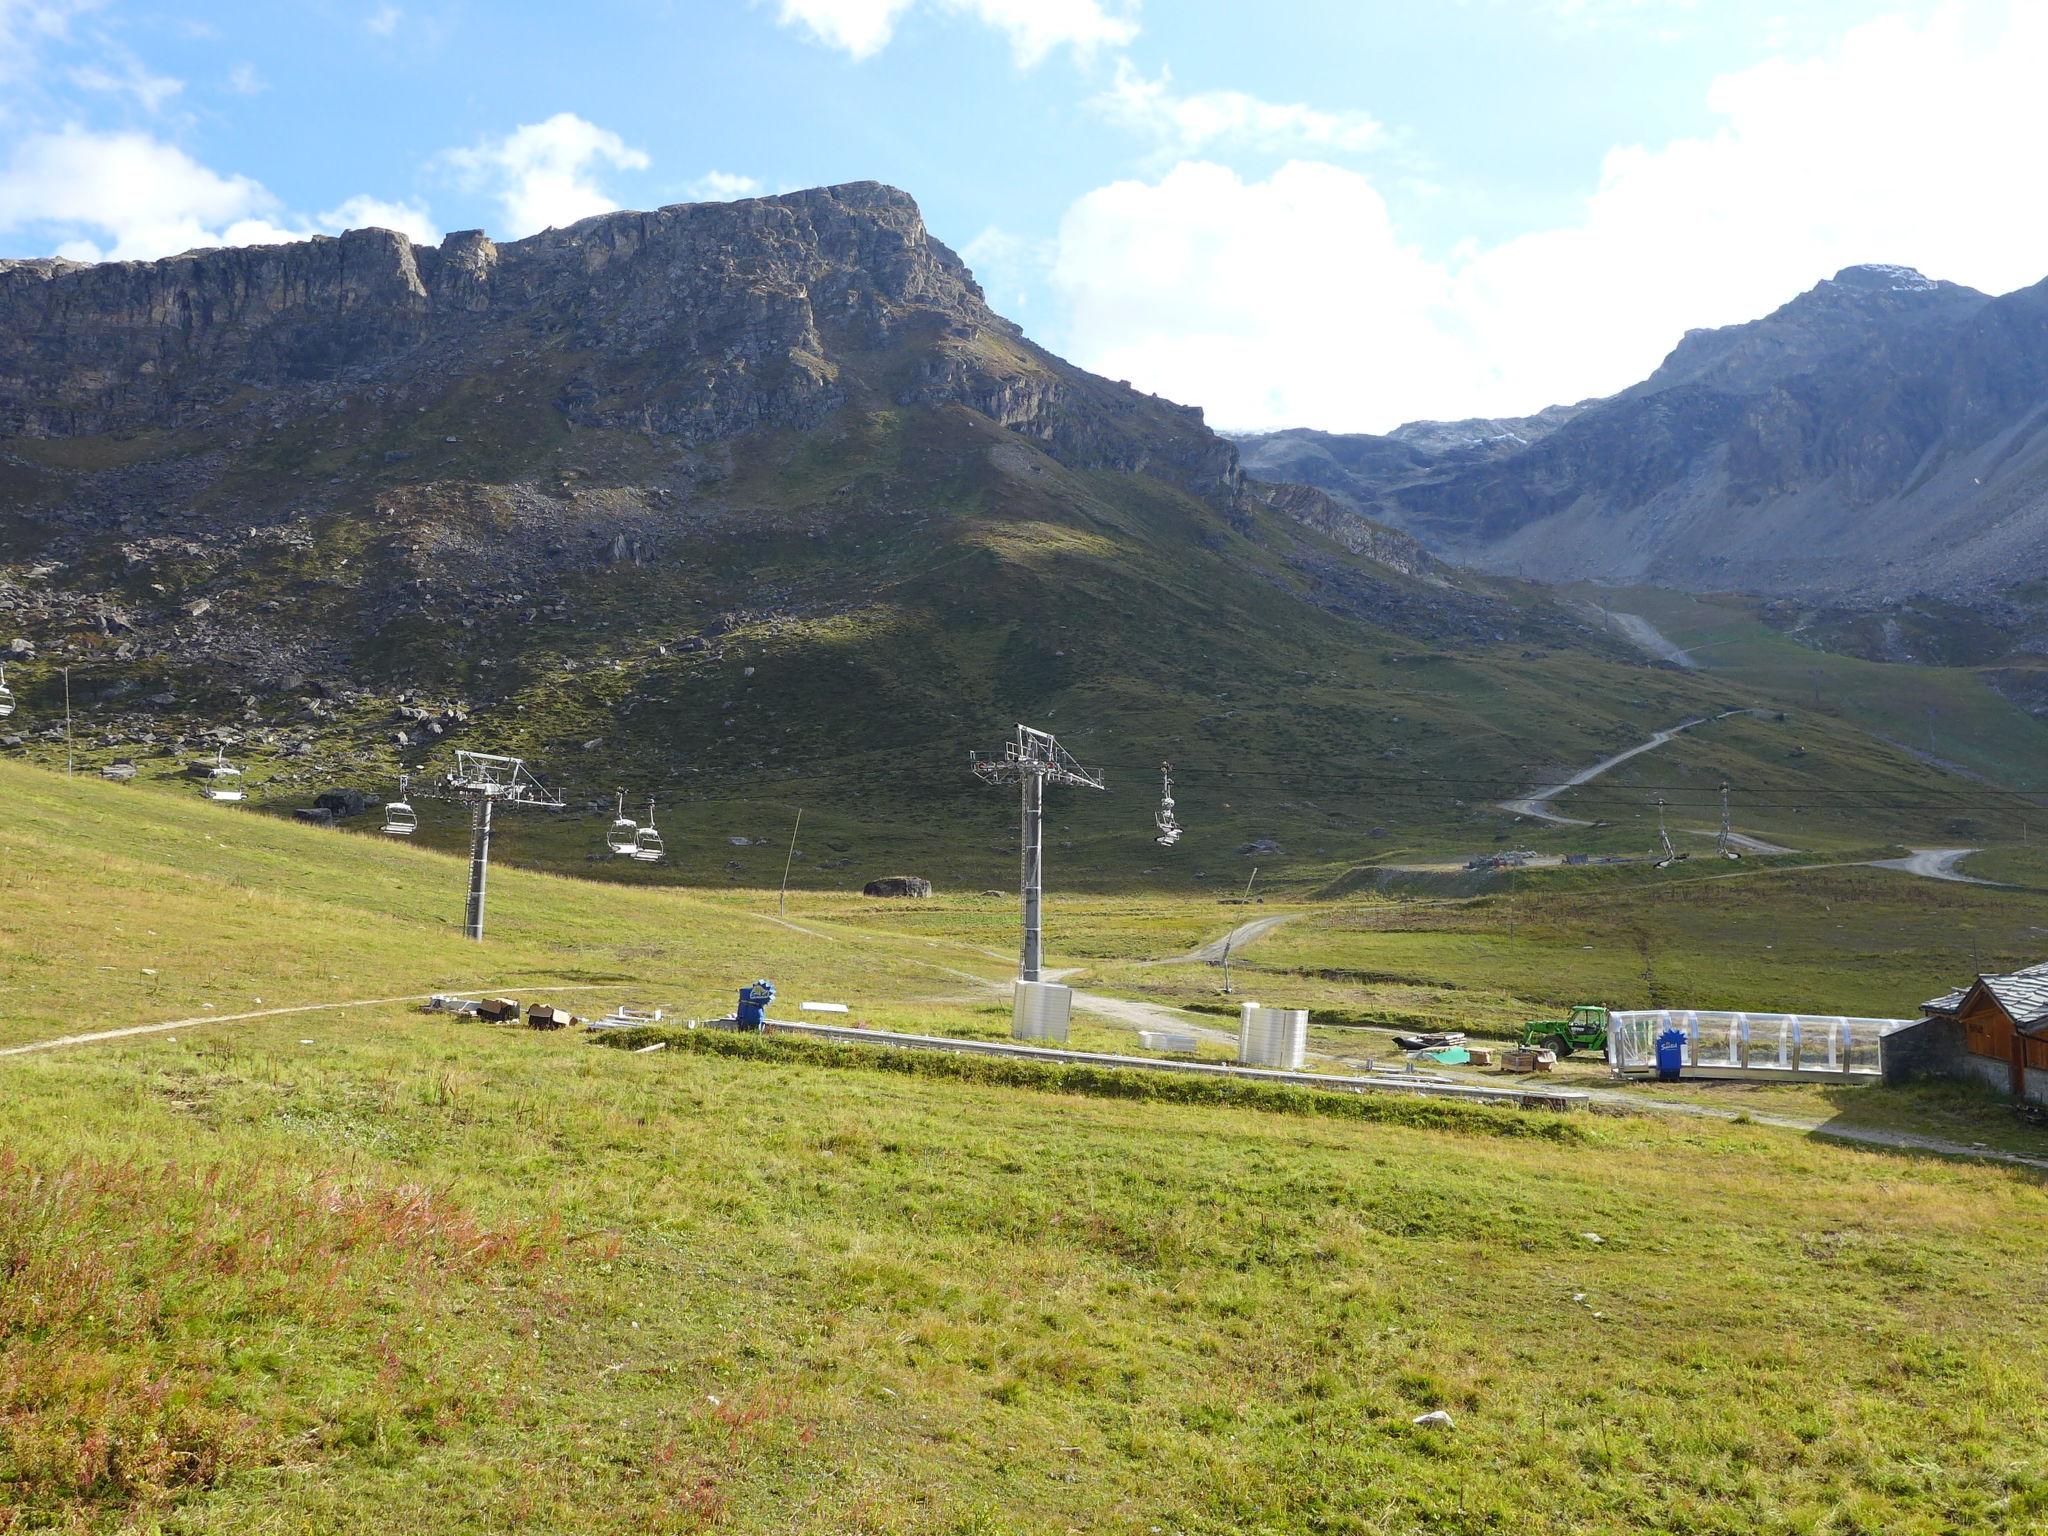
x: 1950, y: 712
x: 429, y: 1276
x: 970, y: 582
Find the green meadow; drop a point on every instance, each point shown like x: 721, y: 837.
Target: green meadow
x: 369, y: 1269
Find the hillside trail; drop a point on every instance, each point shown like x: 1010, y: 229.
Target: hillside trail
x: 132, y: 1030
x: 1536, y: 803
x: 1935, y: 864
x: 1927, y: 863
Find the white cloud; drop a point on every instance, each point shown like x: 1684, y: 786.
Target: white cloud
x: 409, y: 218
x: 1294, y: 300
x: 1192, y: 123
x: 1008, y: 267
x: 383, y: 21
x: 26, y: 25
x: 128, y: 77
x: 544, y: 174
x: 1034, y: 28
x: 723, y: 187
x: 131, y: 197
x: 247, y: 80
x: 1290, y: 300
x: 124, y: 195
x: 861, y: 28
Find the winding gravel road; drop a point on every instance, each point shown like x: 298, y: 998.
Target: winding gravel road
x: 1537, y: 802
x: 1935, y: 864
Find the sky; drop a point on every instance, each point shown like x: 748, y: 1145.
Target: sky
x: 1340, y: 214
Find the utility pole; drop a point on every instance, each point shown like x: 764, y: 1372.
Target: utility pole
x: 1031, y: 761
x: 487, y: 781
x: 782, y: 901
x: 67, y: 722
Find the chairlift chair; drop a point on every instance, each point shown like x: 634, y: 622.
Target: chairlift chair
x: 6, y: 696
x: 624, y: 835
x: 223, y: 779
x: 1169, y: 829
x: 399, y: 820
x: 648, y: 847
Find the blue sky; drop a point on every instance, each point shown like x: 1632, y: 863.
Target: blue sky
x: 1303, y: 212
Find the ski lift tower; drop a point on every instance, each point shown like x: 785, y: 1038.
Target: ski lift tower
x: 487, y: 781
x: 1032, y: 761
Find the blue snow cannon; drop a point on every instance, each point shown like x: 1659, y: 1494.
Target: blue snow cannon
x: 754, y: 1001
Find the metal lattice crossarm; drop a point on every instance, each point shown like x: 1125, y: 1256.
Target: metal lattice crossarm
x: 1033, y: 761
x: 506, y: 780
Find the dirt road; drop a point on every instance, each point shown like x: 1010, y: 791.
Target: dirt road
x: 264, y: 1013
x: 1234, y: 942
x: 1935, y: 864
x: 1536, y: 803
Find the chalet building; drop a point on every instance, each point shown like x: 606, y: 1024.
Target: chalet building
x: 1998, y: 1032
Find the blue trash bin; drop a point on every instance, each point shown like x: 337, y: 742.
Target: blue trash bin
x: 1670, y: 1055
x: 754, y: 1001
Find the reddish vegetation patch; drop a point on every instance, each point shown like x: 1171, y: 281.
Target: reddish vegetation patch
x: 162, y: 1326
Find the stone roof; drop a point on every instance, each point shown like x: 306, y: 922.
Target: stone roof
x: 2022, y: 994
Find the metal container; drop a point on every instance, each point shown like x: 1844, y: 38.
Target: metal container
x: 1041, y: 1011
x: 1273, y: 1037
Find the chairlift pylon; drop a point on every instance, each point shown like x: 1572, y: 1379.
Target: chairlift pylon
x: 648, y: 847
x: 1726, y: 846
x: 625, y: 832
x: 6, y: 695
x: 223, y: 779
x: 399, y: 820
x: 1169, y: 828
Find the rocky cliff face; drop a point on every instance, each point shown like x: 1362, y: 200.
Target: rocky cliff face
x: 699, y: 322
x: 297, y: 489
x: 1882, y: 433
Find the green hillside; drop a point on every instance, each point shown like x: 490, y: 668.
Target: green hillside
x: 365, y: 1269
x: 1304, y: 695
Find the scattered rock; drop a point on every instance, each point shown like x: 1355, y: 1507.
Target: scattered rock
x: 898, y: 885
x: 1436, y: 1418
x: 318, y: 815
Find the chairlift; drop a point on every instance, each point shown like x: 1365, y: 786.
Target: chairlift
x: 1169, y: 829
x: 648, y: 847
x: 399, y: 820
x: 624, y: 835
x: 6, y: 695
x: 223, y: 779
x: 1671, y: 855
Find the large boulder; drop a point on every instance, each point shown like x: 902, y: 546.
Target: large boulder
x: 898, y: 885
x: 341, y: 803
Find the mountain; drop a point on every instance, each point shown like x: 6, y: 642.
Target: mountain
x: 748, y: 505
x: 1881, y: 434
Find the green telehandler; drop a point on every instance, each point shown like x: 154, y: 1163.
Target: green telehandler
x: 1585, y: 1030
